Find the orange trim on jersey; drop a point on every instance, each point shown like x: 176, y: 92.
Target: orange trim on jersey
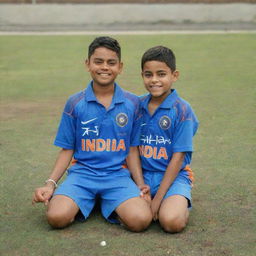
x: 190, y: 173
x: 125, y: 166
x: 73, y: 161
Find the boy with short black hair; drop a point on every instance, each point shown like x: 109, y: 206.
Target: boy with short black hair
x: 97, y: 130
x: 167, y: 128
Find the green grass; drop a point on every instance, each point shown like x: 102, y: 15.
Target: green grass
x: 38, y: 73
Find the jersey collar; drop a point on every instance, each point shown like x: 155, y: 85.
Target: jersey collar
x: 118, y: 95
x: 167, y: 103
x: 170, y: 99
x: 117, y: 98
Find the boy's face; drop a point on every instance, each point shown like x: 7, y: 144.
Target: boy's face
x: 158, y: 78
x: 104, y: 66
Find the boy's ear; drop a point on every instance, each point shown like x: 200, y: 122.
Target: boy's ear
x: 121, y: 65
x: 176, y: 75
x: 86, y: 62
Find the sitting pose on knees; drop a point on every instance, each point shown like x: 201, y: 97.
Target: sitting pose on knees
x: 98, y: 134
x: 167, y: 129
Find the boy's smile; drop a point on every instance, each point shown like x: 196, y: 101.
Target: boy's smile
x: 158, y: 79
x: 104, y: 66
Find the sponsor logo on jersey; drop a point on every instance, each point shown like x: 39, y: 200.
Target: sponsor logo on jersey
x: 122, y: 119
x: 93, y: 129
x: 88, y: 121
x: 165, y: 122
x: 88, y: 131
x: 150, y: 139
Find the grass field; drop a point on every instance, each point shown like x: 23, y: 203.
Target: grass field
x: 218, y: 78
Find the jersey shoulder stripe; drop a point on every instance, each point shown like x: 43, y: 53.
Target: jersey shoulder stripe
x: 134, y: 99
x: 72, y: 102
x: 143, y: 97
x: 183, y: 110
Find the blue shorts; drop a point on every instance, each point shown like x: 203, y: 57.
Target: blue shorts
x: 110, y: 188
x: 181, y: 185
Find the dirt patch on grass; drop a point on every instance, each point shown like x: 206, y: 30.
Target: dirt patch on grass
x: 25, y: 109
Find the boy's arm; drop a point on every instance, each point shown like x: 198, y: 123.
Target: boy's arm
x: 134, y: 166
x: 43, y: 194
x: 171, y: 173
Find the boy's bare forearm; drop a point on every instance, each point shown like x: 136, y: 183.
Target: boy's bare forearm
x: 44, y: 194
x: 134, y: 165
x: 171, y: 173
x: 62, y: 162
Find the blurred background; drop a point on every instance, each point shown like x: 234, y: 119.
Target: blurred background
x: 123, y: 15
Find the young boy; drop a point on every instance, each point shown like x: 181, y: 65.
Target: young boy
x: 97, y: 131
x: 167, y: 128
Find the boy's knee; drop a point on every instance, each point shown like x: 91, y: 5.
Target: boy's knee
x: 138, y: 222
x: 58, y: 219
x: 173, y: 224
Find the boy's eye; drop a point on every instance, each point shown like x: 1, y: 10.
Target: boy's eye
x: 112, y: 62
x: 162, y: 74
x: 98, y: 61
x: 147, y: 75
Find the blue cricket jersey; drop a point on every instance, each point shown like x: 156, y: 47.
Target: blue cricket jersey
x: 170, y: 129
x: 100, y: 138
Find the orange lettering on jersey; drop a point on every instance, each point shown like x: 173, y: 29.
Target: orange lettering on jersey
x: 113, y: 148
x: 148, y: 151
x: 153, y: 152
x: 90, y: 145
x: 100, y: 145
x: 121, y: 145
x: 108, y: 144
x: 83, y: 144
x: 162, y: 153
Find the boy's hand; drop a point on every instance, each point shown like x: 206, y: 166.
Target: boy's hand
x: 155, y: 205
x: 43, y: 194
x: 145, y: 193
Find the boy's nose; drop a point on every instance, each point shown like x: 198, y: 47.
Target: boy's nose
x: 154, y: 79
x: 104, y: 65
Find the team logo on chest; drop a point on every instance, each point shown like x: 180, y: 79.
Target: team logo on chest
x: 122, y: 119
x: 165, y: 122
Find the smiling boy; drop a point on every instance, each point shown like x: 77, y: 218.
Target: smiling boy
x: 97, y: 130
x: 167, y: 129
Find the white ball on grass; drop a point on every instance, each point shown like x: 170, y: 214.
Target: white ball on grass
x: 103, y: 243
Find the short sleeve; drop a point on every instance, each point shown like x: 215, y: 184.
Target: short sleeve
x: 135, y: 134
x: 185, y: 128
x: 66, y: 133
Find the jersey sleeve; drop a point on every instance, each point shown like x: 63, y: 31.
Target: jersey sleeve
x: 135, y: 134
x: 185, y: 128
x: 66, y: 133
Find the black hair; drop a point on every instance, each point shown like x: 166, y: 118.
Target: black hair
x: 160, y: 53
x: 107, y: 42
